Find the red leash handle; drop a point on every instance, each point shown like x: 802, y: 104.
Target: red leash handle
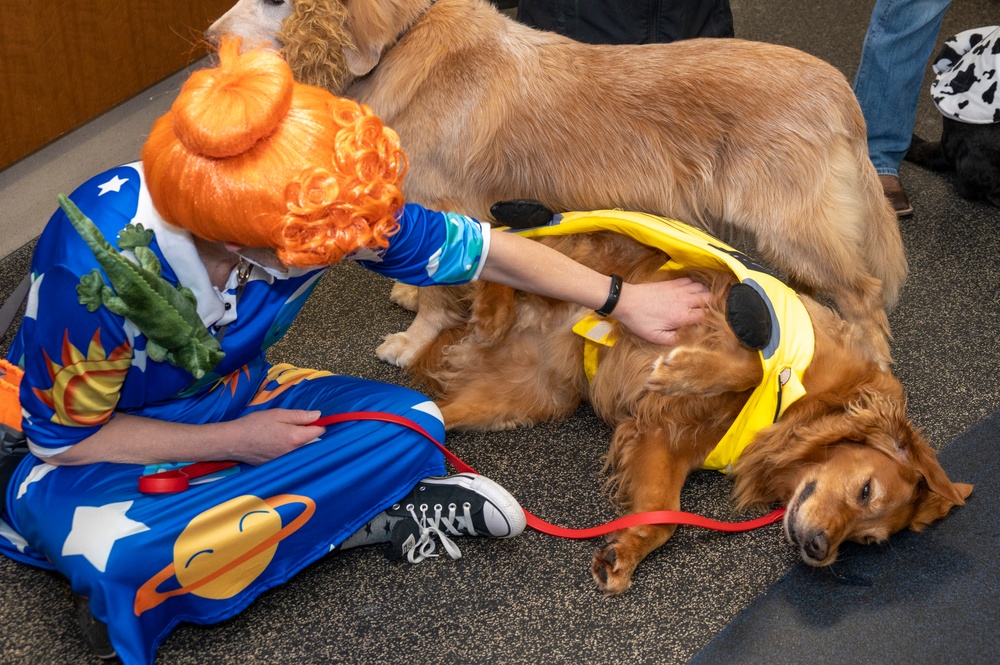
x: 677, y: 517
x: 178, y: 480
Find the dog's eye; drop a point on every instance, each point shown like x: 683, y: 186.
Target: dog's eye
x: 866, y: 492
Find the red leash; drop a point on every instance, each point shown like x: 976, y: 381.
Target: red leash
x: 177, y: 481
x: 654, y: 517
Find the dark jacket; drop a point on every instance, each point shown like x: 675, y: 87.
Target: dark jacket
x: 629, y: 21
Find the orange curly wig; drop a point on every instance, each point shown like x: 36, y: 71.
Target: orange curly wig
x: 248, y: 156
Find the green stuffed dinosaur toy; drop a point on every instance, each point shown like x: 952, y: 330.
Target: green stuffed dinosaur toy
x: 165, y: 314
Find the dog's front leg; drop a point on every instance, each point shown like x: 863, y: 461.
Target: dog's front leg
x: 405, y: 295
x: 651, y: 479
x: 440, y: 308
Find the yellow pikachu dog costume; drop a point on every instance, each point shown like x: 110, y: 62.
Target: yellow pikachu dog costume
x: 765, y: 314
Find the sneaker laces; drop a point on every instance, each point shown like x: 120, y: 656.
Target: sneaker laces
x: 428, y: 527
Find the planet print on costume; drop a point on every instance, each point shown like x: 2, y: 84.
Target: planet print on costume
x: 225, y: 548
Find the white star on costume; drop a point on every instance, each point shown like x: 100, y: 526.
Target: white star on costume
x: 36, y: 474
x: 31, y: 307
x: 430, y: 408
x: 13, y: 536
x: 138, y: 357
x: 113, y: 185
x: 96, y: 530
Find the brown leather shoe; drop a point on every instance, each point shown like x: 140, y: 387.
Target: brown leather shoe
x: 897, y: 197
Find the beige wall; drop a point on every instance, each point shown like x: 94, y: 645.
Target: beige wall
x: 70, y: 77
x: 28, y: 188
x: 64, y: 63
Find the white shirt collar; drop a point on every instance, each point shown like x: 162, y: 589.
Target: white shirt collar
x: 179, y: 250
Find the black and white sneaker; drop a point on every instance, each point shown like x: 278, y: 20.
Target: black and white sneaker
x: 465, y: 504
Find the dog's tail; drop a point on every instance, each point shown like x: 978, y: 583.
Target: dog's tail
x: 927, y: 154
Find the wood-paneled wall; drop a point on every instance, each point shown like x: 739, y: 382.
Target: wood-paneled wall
x: 63, y: 63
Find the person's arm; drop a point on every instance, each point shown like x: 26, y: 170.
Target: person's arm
x: 253, y: 439
x: 461, y: 248
x: 76, y: 363
x: 653, y: 311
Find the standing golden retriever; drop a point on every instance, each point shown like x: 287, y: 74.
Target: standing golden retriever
x: 843, y: 458
x: 725, y: 134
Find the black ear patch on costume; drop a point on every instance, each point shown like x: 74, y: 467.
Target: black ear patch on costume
x: 748, y: 316
x: 521, y: 213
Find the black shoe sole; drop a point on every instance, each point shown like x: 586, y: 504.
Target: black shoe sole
x: 95, y: 633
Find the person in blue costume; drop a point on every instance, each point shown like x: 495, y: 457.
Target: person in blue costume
x: 155, y: 293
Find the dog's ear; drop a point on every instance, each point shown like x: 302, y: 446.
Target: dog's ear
x: 362, y: 59
x: 881, y: 415
x: 927, y: 154
x: 373, y: 26
x: 941, y: 495
x: 771, y: 468
x: 749, y: 316
x: 314, y: 40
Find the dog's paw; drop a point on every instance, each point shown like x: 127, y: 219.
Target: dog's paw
x: 691, y: 370
x: 404, y: 295
x: 669, y: 375
x: 612, y: 574
x: 397, y: 349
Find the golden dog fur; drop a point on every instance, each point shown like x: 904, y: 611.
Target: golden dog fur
x: 736, y: 137
x: 844, y: 458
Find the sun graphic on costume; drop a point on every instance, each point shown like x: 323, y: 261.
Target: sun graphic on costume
x: 80, y: 379
x: 281, y: 377
x: 224, y: 549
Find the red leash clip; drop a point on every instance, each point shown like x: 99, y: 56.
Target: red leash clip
x: 178, y: 480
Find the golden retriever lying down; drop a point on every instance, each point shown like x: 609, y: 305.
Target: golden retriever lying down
x: 844, y: 458
x: 726, y: 134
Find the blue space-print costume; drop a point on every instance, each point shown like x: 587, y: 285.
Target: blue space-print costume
x: 147, y: 562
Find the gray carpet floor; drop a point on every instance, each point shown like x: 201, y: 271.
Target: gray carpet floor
x: 532, y: 599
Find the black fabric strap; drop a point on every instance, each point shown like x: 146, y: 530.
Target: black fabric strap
x: 613, y: 295
x: 13, y: 304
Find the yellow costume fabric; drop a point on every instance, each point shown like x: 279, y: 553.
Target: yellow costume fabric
x: 784, y: 359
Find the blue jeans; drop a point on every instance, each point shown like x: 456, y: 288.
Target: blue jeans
x: 900, y: 38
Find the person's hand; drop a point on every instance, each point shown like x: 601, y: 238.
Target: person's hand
x: 656, y: 310
x: 263, y: 435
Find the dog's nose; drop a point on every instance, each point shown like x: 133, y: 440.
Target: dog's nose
x: 212, y: 36
x: 817, y: 547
